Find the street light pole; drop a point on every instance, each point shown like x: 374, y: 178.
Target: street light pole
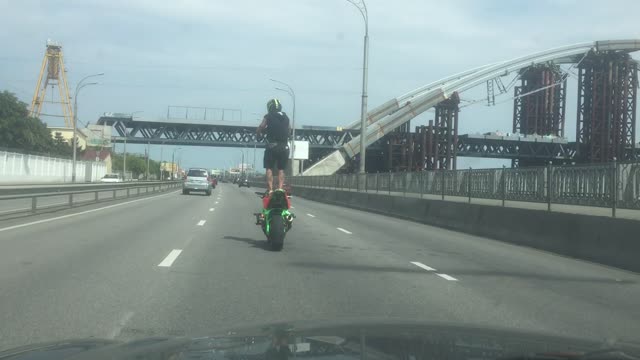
x: 173, y: 158
x: 291, y: 93
x: 161, y: 149
x: 242, y: 164
x: 148, y: 157
x: 124, y: 162
x: 75, y: 121
x: 362, y: 7
x: 124, y: 157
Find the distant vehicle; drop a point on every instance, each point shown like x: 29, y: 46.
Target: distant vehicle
x: 197, y: 180
x: 287, y: 188
x: 111, y: 178
x: 243, y: 182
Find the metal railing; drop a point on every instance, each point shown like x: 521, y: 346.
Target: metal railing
x: 615, y: 185
x: 73, y: 198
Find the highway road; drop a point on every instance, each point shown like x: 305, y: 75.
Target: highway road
x: 171, y: 264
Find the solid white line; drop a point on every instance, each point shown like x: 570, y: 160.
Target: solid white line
x: 447, y: 277
x: 80, y: 213
x: 201, y: 222
x: 345, y: 231
x: 311, y: 215
x: 211, y: 209
x: 421, y: 265
x: 173, y: 255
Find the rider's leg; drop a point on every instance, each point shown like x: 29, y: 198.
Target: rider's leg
x: 283, y: 159
x: 280, y: 179
x: 269, y: 180
x: 268, y: 165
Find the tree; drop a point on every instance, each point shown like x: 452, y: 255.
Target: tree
x: 136, y: 164
x: 20, y: 131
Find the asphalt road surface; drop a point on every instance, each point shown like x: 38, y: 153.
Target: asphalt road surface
x: 171, y: 264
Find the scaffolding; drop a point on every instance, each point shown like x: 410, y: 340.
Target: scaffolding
x: 428, y: 148
x: 539, y: 105
x: 52, y: 74
x: 446, y: 133
x: 607, y: 87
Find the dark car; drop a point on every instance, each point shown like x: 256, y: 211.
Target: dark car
x: 243, y: 182
x: 342, y: 341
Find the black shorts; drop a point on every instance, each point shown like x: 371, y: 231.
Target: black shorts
x: 276, y: 157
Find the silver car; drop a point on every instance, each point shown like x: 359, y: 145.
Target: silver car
x: 197, y: 180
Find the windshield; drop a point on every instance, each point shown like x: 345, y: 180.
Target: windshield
x: 183, y: 168
x: 197, y: 173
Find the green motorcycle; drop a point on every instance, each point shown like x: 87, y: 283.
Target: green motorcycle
x: 276, y: 220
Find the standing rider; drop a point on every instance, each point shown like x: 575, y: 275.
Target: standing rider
x: 276, y: 154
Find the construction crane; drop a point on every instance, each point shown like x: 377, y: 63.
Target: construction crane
x: 52, y: 73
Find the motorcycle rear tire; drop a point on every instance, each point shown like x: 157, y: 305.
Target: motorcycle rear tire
x: 277, y: 232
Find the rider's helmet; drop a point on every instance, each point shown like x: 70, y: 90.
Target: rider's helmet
x: 274, y: 105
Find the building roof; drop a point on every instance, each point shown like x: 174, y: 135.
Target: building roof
x: 66, y: 130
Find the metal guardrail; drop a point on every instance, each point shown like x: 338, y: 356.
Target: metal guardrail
x: 16, y: 189
x: 130, y: 189
x: 615, y: 185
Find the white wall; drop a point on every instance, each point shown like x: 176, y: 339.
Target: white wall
x: 21, y: 168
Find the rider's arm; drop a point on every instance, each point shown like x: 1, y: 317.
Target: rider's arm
x: 262, y: 126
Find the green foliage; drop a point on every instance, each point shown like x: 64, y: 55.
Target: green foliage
x: 136, y: 164
x: 21, y: 132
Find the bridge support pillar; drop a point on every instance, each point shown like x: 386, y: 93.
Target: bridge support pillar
x: 606, y: 124
x: 539, y: 105
x: 446, y: 133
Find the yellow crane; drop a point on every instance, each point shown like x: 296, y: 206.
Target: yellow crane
x: 52, y: 73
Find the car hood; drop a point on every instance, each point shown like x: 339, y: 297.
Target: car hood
x: 371, y: 340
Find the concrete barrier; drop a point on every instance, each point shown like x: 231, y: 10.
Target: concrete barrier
x: 609, y: 241
x: 24, y: 168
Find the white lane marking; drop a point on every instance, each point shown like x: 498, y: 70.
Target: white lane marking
x: 211, y: 209
x: 173, y: 255
x: 201, y: 222
x: 292, y: 207
x: 216, y: 202
x: 421, y: 265
x: 311, y: 215
x: 345, y: 231
x: 120, y: 325
x: 81, y: 213
x: 447, y: 277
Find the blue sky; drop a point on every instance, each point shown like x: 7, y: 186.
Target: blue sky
x: 221, y: 54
